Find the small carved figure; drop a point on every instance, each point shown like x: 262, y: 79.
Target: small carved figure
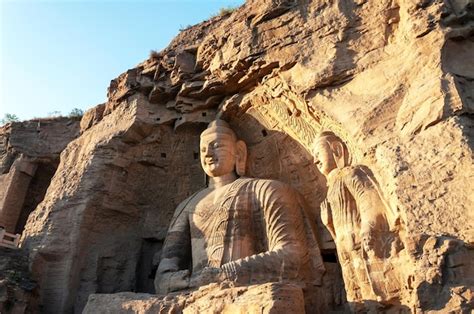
x: 359, y: 222
x: 240, y: 229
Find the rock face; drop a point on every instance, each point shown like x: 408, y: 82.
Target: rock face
x: 390, y: 78
x: 109, y: 204
x: 29, y: 155
x: 18, y: 293
x: 268, y: 298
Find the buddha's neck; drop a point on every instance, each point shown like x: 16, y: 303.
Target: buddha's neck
x: 217, y: 182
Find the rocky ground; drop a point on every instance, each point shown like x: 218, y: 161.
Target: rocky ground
x: 18, y: 292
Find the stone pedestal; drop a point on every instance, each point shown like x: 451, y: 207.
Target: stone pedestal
x: 213, y: 298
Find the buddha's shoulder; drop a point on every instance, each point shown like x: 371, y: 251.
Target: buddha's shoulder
x: 191, y: 201
x: 264, y: 183
x: 354, y: 171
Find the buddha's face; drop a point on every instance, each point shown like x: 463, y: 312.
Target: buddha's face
x: 324, y: 157
x: 218, y: 154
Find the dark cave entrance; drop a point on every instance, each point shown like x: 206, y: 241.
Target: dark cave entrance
x: 36, y: 191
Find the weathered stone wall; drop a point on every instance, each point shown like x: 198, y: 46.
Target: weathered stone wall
x: 268, y: 298
x: 114, y: 192
x: 29, y: 154
x: 18, y: 293
x: 390, y: 78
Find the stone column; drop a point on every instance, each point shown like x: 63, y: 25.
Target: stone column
x: 13, y: 189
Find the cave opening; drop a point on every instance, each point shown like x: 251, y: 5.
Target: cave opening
x: 147, y: 265
x: 36, y: 192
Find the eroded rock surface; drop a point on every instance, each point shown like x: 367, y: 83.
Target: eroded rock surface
x: 214, y: 298
x: 18, y: 293
x: 390, y: 78
x: 29, y: 155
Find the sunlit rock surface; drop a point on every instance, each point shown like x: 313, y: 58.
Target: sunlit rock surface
x: 392, y: 79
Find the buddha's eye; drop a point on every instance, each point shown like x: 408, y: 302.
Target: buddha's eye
x: 215, y: 145
x: 203, y: 149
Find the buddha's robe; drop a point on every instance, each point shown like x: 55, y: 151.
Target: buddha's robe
x: 358, y: 220
x: 257, y: 231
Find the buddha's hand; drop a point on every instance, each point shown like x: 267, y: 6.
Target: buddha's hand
x: 368, y: 239
x: 173, y: 281
x: 206, y: 276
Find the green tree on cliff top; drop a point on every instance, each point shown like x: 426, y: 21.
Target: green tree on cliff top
x: 9, y: 117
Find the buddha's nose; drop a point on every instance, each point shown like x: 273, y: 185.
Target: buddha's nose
x: 208, y: 151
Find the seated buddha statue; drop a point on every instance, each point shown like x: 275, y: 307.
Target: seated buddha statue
x: 239, y: 229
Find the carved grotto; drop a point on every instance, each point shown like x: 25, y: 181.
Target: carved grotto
x: 391, y: 83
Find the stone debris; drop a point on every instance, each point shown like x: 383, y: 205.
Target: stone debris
x: 214, y: 298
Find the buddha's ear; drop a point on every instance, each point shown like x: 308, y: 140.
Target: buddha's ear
x: 241, y: 157
x: 339, y: 153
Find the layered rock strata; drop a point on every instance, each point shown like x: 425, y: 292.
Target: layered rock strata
x: 29, y: 156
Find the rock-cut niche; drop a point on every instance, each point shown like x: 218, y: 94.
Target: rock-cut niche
x: 24, y: 187
x: 36, y: 191
x: 277, y: 151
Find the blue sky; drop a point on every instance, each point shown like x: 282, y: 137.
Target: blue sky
x: 60, y: 55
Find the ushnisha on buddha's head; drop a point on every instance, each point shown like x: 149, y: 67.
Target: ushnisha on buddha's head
x: 329, y: 152
x: 221, y: 151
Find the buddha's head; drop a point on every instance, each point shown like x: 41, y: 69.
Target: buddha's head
x: 221, y: 152
x: 330, y: 152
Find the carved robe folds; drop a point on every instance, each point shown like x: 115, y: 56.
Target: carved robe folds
x: 359, y: 222
x: 255, y: 232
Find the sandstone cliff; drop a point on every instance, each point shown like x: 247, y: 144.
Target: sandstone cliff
x: 29, y: 156
x: 391, y: 78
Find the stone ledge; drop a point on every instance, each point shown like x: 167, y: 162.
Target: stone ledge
x: 213, y: 298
